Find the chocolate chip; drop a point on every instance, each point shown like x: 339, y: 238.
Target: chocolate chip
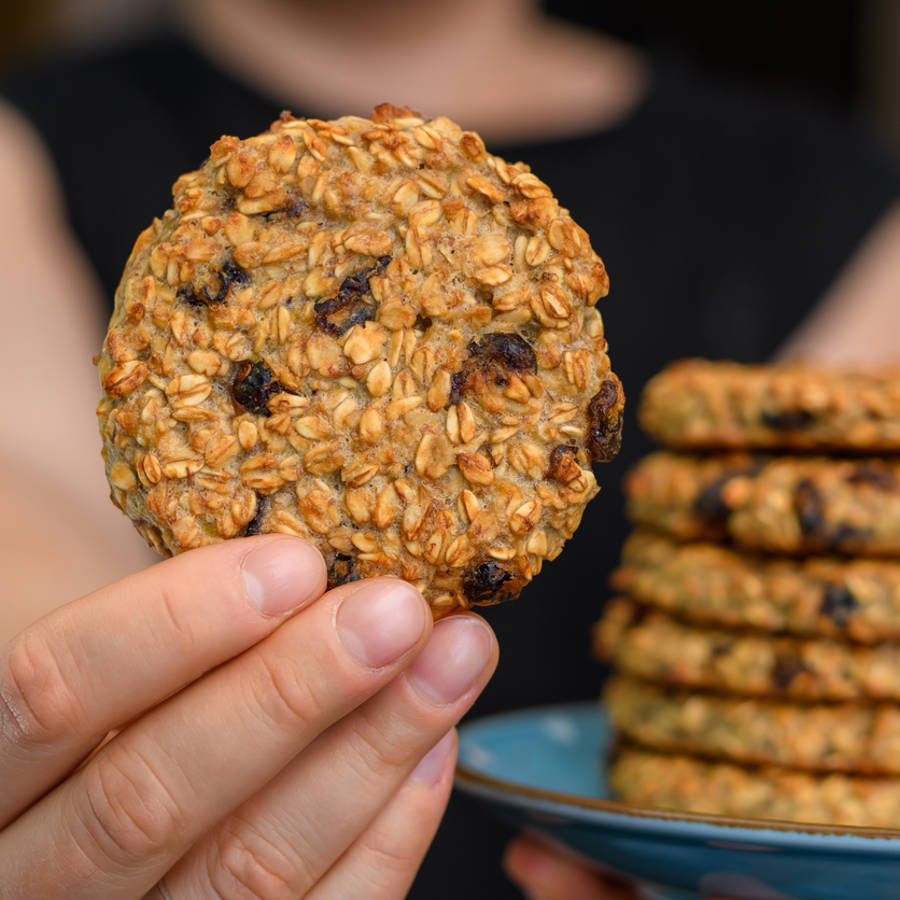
x: 604, y: 414
x: 839, y: 604
x: 788, y: 419
x: 785, y: 669
x: 253, y: 387
x: 489, y: 583
x: 490, y: 360
x: 339, y: 314
x: 262, y: 510
x: 342, y: 570
x: 228, y: 274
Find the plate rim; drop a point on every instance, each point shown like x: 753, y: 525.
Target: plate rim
x: 638, y: 817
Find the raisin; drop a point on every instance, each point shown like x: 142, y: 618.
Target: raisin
x: 422, y: 323
x: 839, y: 604
x: 785, y: 669
x: 230, y: 273
x: 636, y: 615
x: 262, y: 509
x: 490, y: 583
x: 710, y: 503
x: 810, y: 509
x: 509, y: 349
x: 604, y: 413
x: 563, y: 466
x: 490, y: 359
x: 253, y: 387
x: 848, y: 537
x: 293, y: 209
x: 877, y: 476
x: 788, y: 419
x: 342, y: 570
x: 339, y: 314
x: 457, y: 386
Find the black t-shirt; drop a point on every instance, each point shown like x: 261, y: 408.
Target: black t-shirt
x: 722, y: 218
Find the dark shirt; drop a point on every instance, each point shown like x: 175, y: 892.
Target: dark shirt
x: 722, y: 218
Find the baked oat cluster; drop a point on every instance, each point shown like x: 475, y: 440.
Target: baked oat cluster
x: 852, y: 599
x: 701, y: 404
x: 370, y: 333
x: 719, y: 788
x: 655, y: 646
x: 756, y: 640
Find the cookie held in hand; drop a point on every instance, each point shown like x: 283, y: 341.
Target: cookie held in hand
x: 370, y: 333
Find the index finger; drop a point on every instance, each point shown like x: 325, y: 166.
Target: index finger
x: 97, y: 662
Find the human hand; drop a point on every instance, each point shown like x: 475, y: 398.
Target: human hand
x: 542, y: 872
x: 271, y: 743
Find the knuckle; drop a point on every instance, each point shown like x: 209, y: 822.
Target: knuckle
x: 125, y: 811
x: 244, y: 865
x: 39, y: 704
x: 388, y: 859
x: 286, y: 700
x: 176, y: 624
x: 382, y: 746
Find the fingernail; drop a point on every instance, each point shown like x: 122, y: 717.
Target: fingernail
x: 434, y: 762
x: 380, y: 622
x: 281, y: 576
x: 456, y: 655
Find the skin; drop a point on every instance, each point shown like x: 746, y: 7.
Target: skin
x: 544, y: 872
x: 174, y: 805
x: 268, y: 738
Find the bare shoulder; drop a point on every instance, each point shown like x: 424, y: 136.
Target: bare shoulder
x: 857, y: 321
x: 29, y: 185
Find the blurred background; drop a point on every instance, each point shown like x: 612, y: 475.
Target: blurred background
x: 841, y: 55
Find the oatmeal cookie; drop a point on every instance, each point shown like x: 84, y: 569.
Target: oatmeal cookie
x: 691, y: 785
x: 698, y: 404
x: 370, y: 333
x: 852, y: 599
x: 650, y: 644
x: 787, y: 504
x: 836, y: 737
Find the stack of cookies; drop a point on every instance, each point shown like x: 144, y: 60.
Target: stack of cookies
x: 757, y: 639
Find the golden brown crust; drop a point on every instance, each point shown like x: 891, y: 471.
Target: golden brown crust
x: 799, y: 505
x: 853, y: 599
x: 652, y: 645
x: 369, y: 333
x: 698, y: 404
x: 688, y: 784
x: 826, y: 737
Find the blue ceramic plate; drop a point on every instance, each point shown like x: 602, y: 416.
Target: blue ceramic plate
x: 542, y: 770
